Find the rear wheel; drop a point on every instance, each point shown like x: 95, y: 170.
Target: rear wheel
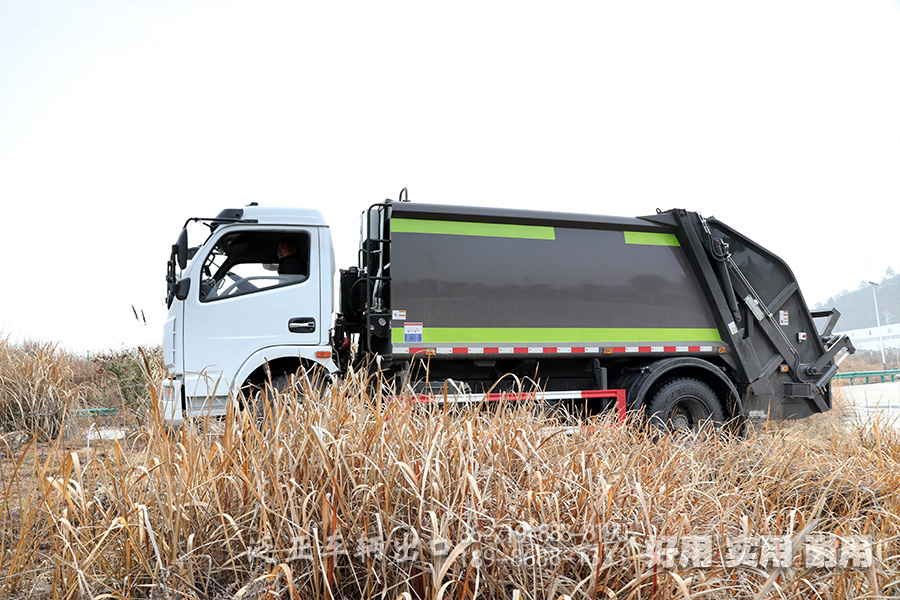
x: 684, y: 404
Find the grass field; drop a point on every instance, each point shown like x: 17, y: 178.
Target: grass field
x: 350, y: 496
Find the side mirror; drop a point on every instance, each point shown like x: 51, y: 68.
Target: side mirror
x: 181, y: 249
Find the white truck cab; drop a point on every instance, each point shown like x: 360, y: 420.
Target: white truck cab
x: 239, y: 315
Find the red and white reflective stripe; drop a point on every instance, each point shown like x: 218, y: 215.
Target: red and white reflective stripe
x: 619, y: 395
x: 554, y: 349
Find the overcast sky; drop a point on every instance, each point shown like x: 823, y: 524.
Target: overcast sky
x: 119, y: 120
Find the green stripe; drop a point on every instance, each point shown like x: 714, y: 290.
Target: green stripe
x: 501, y: 230
x: 554, y: 335
x: 651, y: 239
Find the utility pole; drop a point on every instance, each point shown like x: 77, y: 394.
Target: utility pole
x: 887, y: 317
x: 878, y: 322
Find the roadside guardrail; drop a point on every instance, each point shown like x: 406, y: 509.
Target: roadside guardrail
x: 868, y: 376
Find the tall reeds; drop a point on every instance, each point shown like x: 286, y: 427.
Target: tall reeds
x: 354, y: 495
x: 42, y: 385
x: 37, y: 387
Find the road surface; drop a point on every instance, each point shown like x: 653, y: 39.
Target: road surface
x: 881, y: 400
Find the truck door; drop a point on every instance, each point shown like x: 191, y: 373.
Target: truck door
x: 239, y: 302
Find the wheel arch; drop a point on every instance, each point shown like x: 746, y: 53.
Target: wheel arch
x: 638, y: 386
x: 279, y: 360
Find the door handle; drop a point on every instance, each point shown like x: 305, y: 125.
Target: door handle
x: 302, y: 325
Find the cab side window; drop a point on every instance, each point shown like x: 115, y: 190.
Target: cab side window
x: 247, y: 262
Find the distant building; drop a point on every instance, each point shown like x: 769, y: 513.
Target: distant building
x: 868, y: 338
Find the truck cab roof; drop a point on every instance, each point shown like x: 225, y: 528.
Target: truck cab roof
x: 272, y: 215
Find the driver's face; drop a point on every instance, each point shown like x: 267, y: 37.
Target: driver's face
x: 285, y: 249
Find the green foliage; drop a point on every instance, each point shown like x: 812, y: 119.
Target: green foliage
x: 127, y: 382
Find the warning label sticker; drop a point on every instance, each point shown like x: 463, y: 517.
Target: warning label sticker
x: 412, y: 333
x: 783, y: 317
x: 399, y: 315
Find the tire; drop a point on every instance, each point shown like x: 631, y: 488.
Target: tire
x: 264, y: 397
x: 684, y: 404
x: 290, y: 383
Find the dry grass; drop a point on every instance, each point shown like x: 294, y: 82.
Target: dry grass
x: 41, y: 386
x: 870, y: 360
x: 37, y: 387
x: 489, y: 504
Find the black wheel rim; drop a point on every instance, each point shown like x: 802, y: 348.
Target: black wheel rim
x: 688, y: 414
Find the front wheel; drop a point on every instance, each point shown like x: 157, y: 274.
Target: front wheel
x: 684, y: 404
x: 308, y: 385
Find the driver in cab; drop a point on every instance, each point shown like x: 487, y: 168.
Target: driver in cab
x: 290, y: 262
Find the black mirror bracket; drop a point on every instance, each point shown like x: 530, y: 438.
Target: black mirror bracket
x: 182, y: 288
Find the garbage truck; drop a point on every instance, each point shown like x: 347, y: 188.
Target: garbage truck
x: 683, y: 317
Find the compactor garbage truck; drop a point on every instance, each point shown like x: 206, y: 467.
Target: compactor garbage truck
x: 684, y: 317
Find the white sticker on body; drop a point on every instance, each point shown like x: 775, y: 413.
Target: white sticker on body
x: 412, y: 333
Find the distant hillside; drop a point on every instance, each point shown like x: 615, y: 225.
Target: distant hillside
x: 858, y: 309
